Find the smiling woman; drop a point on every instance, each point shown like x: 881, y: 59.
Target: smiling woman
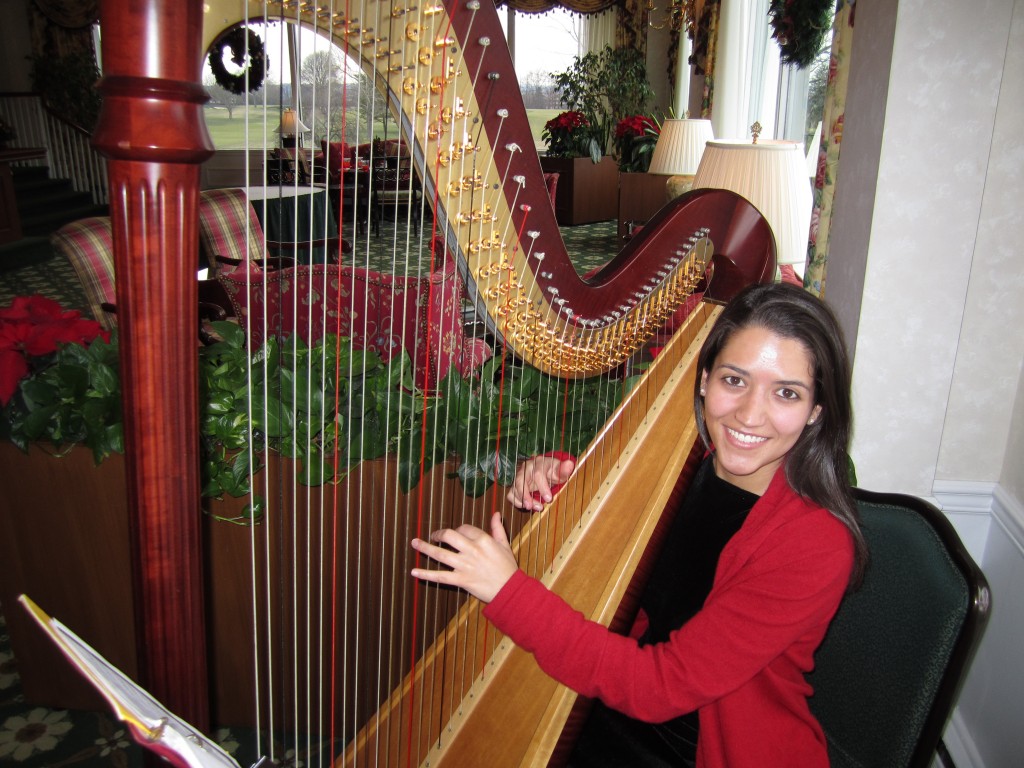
x: 752, y: 568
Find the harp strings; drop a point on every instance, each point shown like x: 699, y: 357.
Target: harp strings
x: 345, y: 518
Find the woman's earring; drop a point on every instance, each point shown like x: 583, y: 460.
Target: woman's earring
x: 703, y: 392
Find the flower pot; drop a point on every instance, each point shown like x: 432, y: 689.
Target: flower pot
x: 64, y: 541
x: 641, y: 195
x: 587, y: 191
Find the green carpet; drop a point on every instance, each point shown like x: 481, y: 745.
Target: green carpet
x: 31, y: 266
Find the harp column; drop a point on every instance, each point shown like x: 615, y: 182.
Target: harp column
x: 151, y: 130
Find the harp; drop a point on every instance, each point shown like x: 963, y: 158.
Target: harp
x: 447, y: 683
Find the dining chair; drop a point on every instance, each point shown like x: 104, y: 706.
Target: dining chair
x: 887, y: 674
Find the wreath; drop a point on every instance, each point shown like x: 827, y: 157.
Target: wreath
x: 243, y: 43
x: 799, y: 27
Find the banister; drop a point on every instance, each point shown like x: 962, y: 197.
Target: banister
x: 69, y: 151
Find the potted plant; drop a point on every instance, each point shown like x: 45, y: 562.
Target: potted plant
x: 635, y: 137
x: 62, y: 467
x: 603, y: 88
x: 640, y: 194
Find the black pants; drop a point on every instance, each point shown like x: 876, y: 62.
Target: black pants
x: 610, y: 739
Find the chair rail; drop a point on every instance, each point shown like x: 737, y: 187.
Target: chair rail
x: 69, y: 151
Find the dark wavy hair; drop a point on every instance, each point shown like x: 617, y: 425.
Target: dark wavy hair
x: 817, y: 467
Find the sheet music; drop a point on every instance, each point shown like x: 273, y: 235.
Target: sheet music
x: 152, y: 725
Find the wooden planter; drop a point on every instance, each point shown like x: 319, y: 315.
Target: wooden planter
x: 64, y: 541
x: 641, y: 195
x: 587, y: 191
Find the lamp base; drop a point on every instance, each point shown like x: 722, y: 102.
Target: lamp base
x: 677, y: 185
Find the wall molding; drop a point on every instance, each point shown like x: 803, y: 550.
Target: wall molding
x: 1008, y: 512
x: 969, y: 506
x: 959, y: 743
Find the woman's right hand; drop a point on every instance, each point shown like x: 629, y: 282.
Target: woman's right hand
x: 535, y: 477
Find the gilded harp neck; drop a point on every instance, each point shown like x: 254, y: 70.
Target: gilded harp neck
x: 450, y: 79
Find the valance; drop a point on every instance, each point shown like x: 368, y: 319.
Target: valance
x: 70, y: 14
x: 587, y: 7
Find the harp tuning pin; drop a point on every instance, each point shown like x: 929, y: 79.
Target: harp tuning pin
x: 520, y: 180
x: 485, y: 41
x: 513, y: 147
x: 539, y: 256
x: 473, y: 5
x: 502, y: 113
x: 546, y: 275
x: 533, y: 234
x: 525, y: 208
x: 552, y: 290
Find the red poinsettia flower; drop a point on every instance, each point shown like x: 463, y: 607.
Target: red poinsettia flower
x: 33, y: 326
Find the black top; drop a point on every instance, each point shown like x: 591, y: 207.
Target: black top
x: 712, y: 512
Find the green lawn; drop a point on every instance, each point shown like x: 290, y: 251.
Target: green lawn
x: 229, y: 132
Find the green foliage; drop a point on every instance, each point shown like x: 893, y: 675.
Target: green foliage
x: 74, y: 399
x: 327, y: 407
x: 68, y: 86
x: 606, y: 87
x: 799, y: 27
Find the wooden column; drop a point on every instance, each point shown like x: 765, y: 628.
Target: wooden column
x: 151, y: 129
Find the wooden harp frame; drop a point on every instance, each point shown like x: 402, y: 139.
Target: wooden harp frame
x: 152, y: 131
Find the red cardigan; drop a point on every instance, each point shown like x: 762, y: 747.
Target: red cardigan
x: 740, y: 661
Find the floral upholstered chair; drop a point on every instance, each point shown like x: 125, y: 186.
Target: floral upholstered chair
x: 383, y: 313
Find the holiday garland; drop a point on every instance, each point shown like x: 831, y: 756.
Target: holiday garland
x: 799, y: 27
x: 243, y: 43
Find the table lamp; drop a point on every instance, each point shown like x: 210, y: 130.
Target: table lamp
x: 291, y: 128
x: 773, y: 176
x: 678, y: 153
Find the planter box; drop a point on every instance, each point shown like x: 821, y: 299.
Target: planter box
x: 641, y: 195
x: 64, y: 541
x: 587, y: 191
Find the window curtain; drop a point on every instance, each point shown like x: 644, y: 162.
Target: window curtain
x: 600, y: 30
x: 743, y: 62
x: 576, y: 6
x: 828, y: 151
x: 63, y: 27
x: 705, y: 52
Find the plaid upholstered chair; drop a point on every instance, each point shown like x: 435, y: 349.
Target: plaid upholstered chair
x: 230, y: 234
x: 89, y: 246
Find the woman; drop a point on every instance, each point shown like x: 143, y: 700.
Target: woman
x: 752, y: 571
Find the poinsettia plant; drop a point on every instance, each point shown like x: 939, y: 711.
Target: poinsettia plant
x: 61, y: 375
x: 32, y: 330
x: 635, y: 137
x: 569, y: 134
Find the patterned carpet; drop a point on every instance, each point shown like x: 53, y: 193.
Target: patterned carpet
x: 34, y: 736
x: 35, y: 268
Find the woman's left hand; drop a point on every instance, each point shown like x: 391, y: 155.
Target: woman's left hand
x: 479, y: 563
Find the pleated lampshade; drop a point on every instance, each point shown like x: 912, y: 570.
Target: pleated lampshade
x: 678, y: 152
x: 773, y: 176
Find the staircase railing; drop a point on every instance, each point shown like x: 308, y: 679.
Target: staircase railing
x: 69, y: 152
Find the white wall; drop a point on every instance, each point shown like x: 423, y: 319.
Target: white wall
x: 927, y: 276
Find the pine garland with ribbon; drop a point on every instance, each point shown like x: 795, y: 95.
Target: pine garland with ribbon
x: 243, y: 43
x: 799, y: 27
